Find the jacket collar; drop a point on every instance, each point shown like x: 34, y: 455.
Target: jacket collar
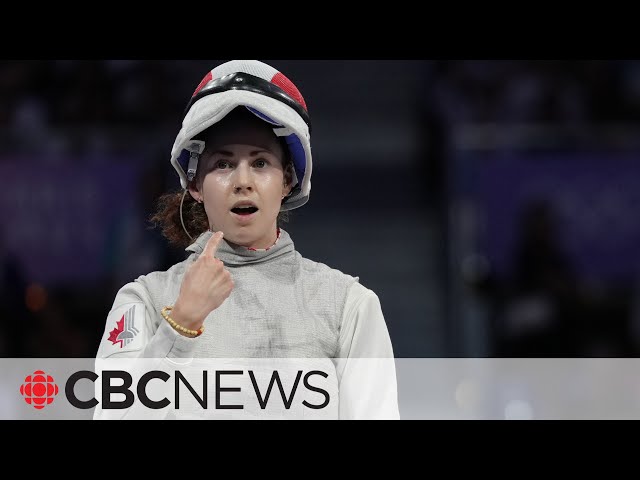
x: 232, y: 254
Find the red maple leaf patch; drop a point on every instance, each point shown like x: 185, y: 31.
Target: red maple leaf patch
x: 113, y: 334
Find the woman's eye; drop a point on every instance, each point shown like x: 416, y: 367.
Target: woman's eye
x: 222, y: 164
x: 260, y: 163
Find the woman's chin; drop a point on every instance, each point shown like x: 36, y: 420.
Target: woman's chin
x: 242, y: 238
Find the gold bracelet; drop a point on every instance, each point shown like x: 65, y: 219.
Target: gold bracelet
x: 180, y: 328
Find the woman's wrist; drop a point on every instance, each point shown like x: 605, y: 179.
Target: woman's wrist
x: 182, y: 318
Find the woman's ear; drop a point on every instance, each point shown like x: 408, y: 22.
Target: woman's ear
x: 288, y: 180
x: 195, y: 193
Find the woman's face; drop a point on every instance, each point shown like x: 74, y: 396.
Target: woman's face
x: 241, y: 181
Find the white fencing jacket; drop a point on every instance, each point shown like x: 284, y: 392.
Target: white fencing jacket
x: 283, y: 306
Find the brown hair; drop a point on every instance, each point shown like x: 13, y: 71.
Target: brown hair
x: 167, y: 217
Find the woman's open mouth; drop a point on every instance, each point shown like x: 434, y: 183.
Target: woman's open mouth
x: 244, y: 214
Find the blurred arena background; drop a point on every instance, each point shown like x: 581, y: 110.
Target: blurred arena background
x: 491, y: 205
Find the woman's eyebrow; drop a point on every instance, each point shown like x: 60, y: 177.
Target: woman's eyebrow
x: 223, y: 152
x: 258, y: 152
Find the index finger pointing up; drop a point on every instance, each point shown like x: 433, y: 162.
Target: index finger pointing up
x: 212, y: 245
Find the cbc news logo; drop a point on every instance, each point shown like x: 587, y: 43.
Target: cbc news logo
x: 40, y: 389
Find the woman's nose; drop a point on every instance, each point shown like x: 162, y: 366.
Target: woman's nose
x: 242, y: 178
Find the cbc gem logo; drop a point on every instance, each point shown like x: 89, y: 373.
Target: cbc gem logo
x: 39, y: 389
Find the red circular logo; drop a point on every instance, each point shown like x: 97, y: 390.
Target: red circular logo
x: 39, y: 389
